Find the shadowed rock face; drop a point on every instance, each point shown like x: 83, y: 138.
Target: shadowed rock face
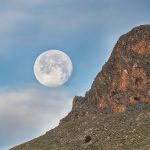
x: 124, y: 79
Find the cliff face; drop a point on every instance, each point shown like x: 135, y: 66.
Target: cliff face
x: 124, y: 79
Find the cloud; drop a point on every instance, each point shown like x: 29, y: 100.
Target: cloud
x: 44, y: 22
x: 26, y: 22
x: 30, y: 112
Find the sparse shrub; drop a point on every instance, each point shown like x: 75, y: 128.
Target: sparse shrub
x: 88, y: 139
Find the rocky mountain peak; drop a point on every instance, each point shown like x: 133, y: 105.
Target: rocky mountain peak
x: 124, y: 80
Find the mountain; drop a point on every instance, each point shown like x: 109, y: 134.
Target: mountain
x: 115, y: 113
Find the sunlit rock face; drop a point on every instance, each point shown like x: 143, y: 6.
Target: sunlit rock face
x: 124, y: 79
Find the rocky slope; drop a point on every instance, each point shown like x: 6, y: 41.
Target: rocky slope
x: 115, y: 112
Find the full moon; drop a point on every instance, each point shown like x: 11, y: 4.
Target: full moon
x: 53, y: 68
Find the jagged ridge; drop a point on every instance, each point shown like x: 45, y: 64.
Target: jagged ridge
x: 124, y: 79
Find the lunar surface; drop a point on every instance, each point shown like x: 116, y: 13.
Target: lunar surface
x: 53, y: 68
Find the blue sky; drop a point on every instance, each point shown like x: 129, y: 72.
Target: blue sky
x: 86, y: 30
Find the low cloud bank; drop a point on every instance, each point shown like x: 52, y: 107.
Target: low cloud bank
x: 30, y: 112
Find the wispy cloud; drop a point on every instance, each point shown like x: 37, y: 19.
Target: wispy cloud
x: 30, y: 112
x: 25, y: 22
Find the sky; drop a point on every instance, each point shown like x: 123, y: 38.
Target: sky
x: 86, y: 30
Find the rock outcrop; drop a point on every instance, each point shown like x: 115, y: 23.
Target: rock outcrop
x: 124, y: 79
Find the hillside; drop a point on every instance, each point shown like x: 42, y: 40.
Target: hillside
x: 115, y: 112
